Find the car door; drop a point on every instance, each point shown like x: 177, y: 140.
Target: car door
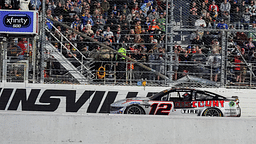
x: 183, y: 104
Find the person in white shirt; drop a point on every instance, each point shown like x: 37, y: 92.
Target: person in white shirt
x: 24, y: 4
x: 200, y: 22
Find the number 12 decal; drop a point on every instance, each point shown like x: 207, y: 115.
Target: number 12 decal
x: 160, y: 108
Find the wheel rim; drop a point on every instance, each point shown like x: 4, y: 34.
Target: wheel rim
x: 134, y: 110
x: 212, y: 113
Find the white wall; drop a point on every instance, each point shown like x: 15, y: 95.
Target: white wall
x: 247, y: 96
x: 49, y: 128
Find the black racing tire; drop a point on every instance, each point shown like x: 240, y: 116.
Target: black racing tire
x: 212, y: 112
x: 134, y: 109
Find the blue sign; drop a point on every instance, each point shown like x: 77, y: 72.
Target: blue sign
x: 17, y: 22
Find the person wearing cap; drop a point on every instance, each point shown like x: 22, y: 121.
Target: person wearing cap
x: 222, y: 25
x: 125, y: 10
x: 234, y: 4
x: 153, y: 15
x: 161, y: 21
x: 153, y: 27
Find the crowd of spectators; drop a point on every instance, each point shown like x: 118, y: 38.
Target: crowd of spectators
x: 137, y: 28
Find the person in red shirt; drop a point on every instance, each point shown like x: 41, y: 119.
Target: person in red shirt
x: 153, y: 27
x: 23, y: 44
x: 237, y: 67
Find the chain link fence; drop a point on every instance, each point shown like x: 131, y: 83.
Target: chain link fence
x: 193, y: 43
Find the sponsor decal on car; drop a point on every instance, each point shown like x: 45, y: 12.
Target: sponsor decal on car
x: 214, y: 103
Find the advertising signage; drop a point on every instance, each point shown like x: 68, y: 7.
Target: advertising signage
x: 18, y: 22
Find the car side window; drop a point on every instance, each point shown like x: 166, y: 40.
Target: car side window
x: 203, y: 96
x: 186, y: 96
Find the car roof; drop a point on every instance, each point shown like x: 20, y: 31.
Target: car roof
x: 181, y: 89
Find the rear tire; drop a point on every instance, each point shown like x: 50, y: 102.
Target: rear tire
x: 212, y: 112
x: 134, y: 110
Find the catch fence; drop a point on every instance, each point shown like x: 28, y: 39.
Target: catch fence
x: 163, y: 43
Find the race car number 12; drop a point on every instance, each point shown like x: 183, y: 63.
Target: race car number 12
x: 160, y: 108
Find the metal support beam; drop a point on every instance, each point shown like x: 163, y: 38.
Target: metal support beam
x: 223, y: 58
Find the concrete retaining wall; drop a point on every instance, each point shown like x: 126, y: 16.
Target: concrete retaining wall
x: 99, y: 101
x: 53, y: 128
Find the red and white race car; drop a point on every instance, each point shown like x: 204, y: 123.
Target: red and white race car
x: 180, y: 101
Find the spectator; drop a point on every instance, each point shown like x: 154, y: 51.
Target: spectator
x: 59, y: 10
x: 88, y: 30
x: 193, y: 17
x: 121, y: 63
x: 226, y: 17
x: 197, y: 41
x: 243, y: 7
x: 138, y: 27
x: 214, y: 63
x: 77, y: 9
x: 225, y: 7
x: 132, y: 4
x: 118, y: 35
x: 200, y: 22
x: 23, y: 44
x: 24, y: 5
x: 111, y: 21
x: 145, y: 8
x: 207, y: 39
x: 153, y: 15
x: 237, y: 15
x: 77, y: 24
x: 108, y: 34
x: 208, y: 20
x: 161, y: 22
x: 36, y: 5
x: 252, y: 9
x: 114, y: 10
x: 214, y: 7
x: 250, y: 48
x: 215, y: 47
x: 125, y: 10
x: 246, y: 18
x: 237, y: 67
x: 203, y: 9
x: 194, y: 7
x: 253, y: 34
x: 233, y: 6
x: 98, y: 10
x: 98, y: 37
x: 222, y: 25
x: 136, y: 8
x: 153, y: 28
x: 105, y: 6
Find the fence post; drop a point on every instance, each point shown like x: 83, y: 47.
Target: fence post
x: 223, y: 58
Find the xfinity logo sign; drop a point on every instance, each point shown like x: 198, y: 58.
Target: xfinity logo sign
x: 17, y: 20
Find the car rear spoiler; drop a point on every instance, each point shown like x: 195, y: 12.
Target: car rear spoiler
x: 236, y: 97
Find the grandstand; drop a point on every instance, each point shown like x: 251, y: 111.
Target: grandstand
x: 126, y: 42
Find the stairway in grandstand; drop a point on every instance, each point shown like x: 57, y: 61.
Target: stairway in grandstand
x: 75, y: 72
x: 82, y: 73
